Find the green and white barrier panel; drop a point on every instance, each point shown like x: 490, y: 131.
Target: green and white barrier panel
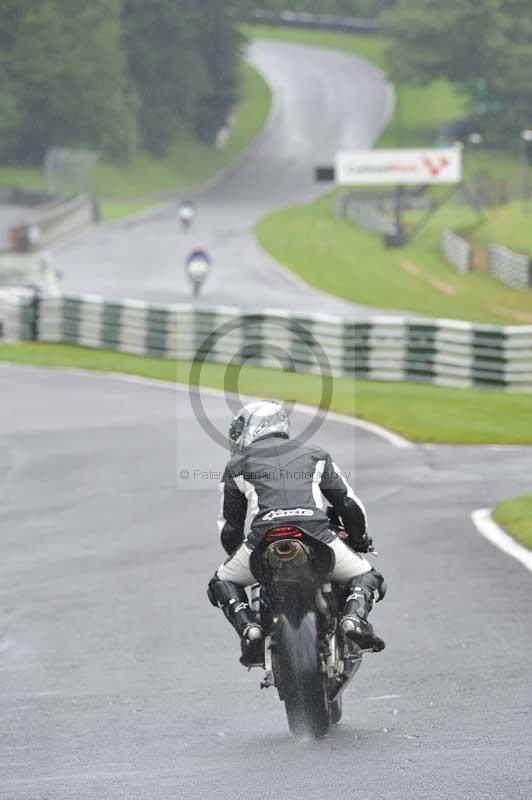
x: 91, y: 321
x: 18, y: 315
x: 443, y: 352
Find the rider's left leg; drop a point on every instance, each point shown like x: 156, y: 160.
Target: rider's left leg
x: 232, y: 599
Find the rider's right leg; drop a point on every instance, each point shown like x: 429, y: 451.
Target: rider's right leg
x: 362, y: 593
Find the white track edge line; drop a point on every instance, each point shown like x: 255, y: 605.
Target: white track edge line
x: 488, y: 528
x: 392, y: 438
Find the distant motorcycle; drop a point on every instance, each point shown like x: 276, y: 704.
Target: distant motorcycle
x: 187, y: 212
x: 306, y: 655
x: 198, y: 265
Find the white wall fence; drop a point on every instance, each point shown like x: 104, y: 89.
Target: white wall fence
x: 367, y: 214
x: 457, y: 251
x: 511, y: 268
x: 443, y: 352
x: 376, y: 211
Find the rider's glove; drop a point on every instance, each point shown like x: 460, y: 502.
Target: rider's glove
x: 364, y: 545
x: 334, y: 517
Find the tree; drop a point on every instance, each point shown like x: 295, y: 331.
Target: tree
x: 184, y: 60
x: 485, y: 49
x: 166, y: 66
x: 510, y: 78
x: 11, y: 115
x: 220, y: 45
x: 63, y: 62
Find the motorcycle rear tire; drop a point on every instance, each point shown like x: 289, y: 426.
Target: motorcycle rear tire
x: 301, y: 681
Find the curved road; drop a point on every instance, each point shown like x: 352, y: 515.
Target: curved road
x: 118, y: 679
x: 323, y: 100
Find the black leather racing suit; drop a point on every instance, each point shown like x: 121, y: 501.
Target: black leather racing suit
x: 282, y: 481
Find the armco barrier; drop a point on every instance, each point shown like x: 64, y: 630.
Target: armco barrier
x: 54, y: 221
x: 65, y: 218
x: 443, y: 352
x: 511, y: 268
x: 456, y: 251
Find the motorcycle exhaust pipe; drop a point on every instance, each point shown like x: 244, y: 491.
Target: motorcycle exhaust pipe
x: 285, y: 551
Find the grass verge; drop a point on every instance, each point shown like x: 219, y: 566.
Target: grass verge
x: 516, y: 517
x: 310, y: 239
x: 420, y: 111
x: 419, y: 412
x: 111, y: 210
x: 189, y: 162
x: 508, y: 224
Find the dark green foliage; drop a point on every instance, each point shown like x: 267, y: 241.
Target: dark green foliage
x: 62, y: 61
x: 221, y: 47
x: 484, y: 48
x: 98, y: 74
x: 166, y: 67
x: 184, y: 60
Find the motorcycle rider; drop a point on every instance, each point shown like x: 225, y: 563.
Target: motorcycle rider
x: 187, y: 211
x: 276, y: 479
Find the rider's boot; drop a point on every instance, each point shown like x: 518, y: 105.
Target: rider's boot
x: 362, y: 592
x: 232, y: 599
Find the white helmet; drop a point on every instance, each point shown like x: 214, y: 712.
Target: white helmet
x: 256, y: 421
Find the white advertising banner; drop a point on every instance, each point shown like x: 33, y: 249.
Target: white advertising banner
x: 431, y: 165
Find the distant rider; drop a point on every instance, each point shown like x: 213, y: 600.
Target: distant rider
x: 288, y: 481
x: 187, y: 211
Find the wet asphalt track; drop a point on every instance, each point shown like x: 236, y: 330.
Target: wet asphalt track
x: 117, y: 678
x: 324, y: 100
